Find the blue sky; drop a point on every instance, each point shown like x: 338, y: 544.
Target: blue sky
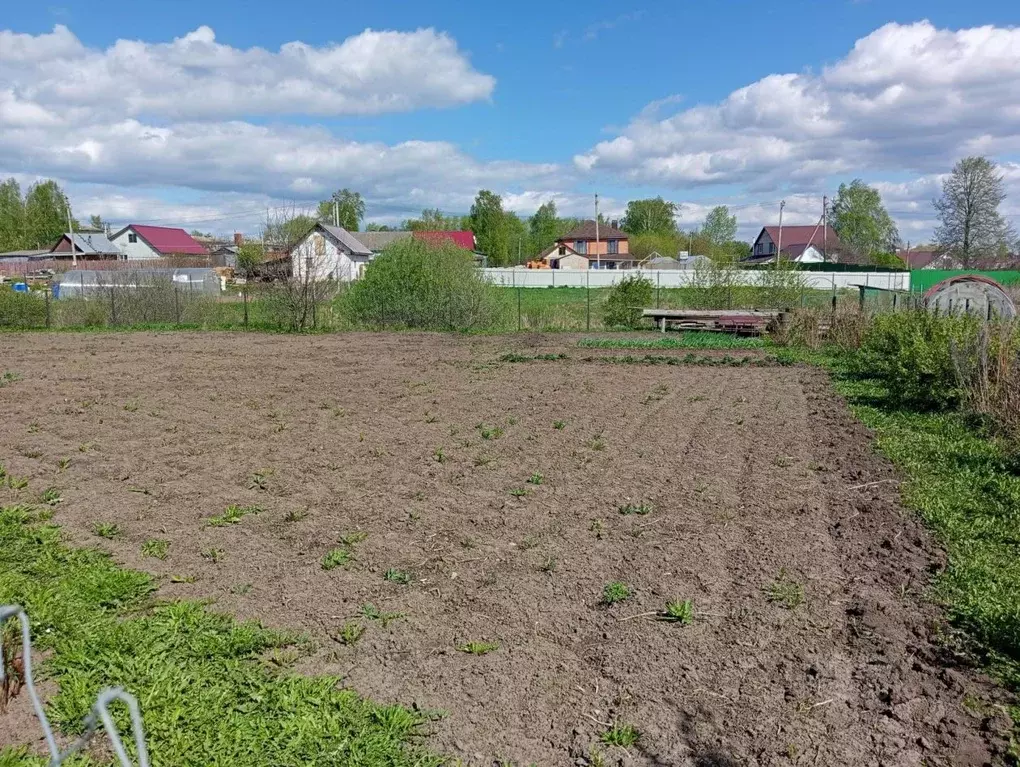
x: 562, y: 103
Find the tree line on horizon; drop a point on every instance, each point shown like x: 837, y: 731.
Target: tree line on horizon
x: 971, y: 227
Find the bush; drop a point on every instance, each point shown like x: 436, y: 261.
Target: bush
x: 627, y: 298
x: 911, y: 354
x: 22, y: 310
x: 413, y: 284
x: 987, y: 367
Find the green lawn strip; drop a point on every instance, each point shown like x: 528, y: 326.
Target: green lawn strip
x: 206, y: 693
x: 959, y: 480
x: 691, y: 339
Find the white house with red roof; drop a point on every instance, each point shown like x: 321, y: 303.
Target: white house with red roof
x: 802, y: 244
x: 139, y: 242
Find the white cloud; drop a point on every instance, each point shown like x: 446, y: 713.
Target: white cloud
x: 906, y: 98
x: 195, y: 77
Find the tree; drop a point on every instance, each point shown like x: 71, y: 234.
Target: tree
x: 543, y: 227
x: 46, y: 213
x: 12, y: 216
x: 650, y: 216
x: 374, y: 227
x: 351, y: 209
x: 971, y: 226
x: 249, y: 256
x: 283, y: 229
x: 96, y: 222
x: 861, y: 221
x: 643, y: 245
x: 489, y: 223
x: 433, y: 220
x: 720, y: 227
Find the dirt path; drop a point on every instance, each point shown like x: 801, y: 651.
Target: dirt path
x: 756, y: 477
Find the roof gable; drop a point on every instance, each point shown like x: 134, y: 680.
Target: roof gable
x: 818, y: 236
x: 88, y: 243
x: 166, y: 240
x: 586, y: 231
x: 346, y: 239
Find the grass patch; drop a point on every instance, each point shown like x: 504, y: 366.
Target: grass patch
x: 640, y: 509
x: 339, y: 556
x: 623, y: 735
x: 478, y: 648
x: 393, y: 575
x: 691, y: 339
x: 156, y: 548
x: 233, y: 514
x: 206, y: 697
x: 108, y: 530
x: 785, y: 591
x: 680, y: 611
x: 614, y: 592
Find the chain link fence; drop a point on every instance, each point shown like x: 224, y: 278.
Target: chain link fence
x: 16, y: 674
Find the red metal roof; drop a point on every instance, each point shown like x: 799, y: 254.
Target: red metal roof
x: 464, y: 239
x: 168, y: 240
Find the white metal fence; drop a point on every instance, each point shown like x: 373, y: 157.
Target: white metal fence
x: 679, y: 278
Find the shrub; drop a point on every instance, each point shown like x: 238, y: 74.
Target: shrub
x: 910, y: 353
x: 848, y: 326
x: 987, y: 365
x: 21, y: 310
x: 627, y: 298
x: 413, y: 284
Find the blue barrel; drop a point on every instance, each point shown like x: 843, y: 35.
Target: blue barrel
x: 20, y: 287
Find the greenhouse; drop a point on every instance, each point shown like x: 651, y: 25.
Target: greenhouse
x: 90, y: 283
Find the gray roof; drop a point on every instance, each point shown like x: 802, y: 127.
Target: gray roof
x: 92, y: 242
x: 347, y: 239
x: 27, y: 253
x: 376, y: 241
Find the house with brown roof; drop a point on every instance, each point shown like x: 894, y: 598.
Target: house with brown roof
x: 801, y: 244
x: 588, y: 247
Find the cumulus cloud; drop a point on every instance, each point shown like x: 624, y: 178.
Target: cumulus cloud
x: 195, y: 77
x: 906, y: 98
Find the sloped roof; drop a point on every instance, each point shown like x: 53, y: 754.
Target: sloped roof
x: 805, y: 235
x: 462, y: 239
x: 586, y: 231
x: 89, y: 243
x: 166, y: 240
x: 376, y: 241
x: 917, y: 259
x: 348, y: 240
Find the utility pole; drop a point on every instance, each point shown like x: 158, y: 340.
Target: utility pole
x: 336, y: 213
x: 779, y: 247
x: 70, y: 236
x: 825, y: 228
x: 598, y: 258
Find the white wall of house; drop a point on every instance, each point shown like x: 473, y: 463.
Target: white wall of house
x: 570, y: 261
x: 319, y: 257
x: 811, y: 255
x: 139, y: 250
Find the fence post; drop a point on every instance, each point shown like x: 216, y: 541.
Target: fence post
x: 658, y: 287
x: 587, y: 296
x: 46, y: 293
x: 244, y: 295
x: 177, y: 303
x: 113, y: 306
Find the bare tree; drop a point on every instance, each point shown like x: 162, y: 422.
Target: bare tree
x: 303, y: 276
x: 971, y: 225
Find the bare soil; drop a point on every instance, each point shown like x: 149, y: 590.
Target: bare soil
x: 753, y: 475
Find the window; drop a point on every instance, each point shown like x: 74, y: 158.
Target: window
x: 563, y: 250
x: 132, y: 238
x: 581, y: 246
x: 614, y: 247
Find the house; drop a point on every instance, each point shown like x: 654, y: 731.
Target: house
x: 139, y: 242
x: 802, y: 244
x: 329, y: 253
x: 89, y: 246
x: 588, y: 246
x: 376, y: 241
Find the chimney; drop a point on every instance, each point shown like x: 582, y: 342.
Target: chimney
x: 615, y: 224
x: 238, y: 238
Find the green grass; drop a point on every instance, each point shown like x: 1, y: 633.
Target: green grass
x: 156, y: 548
x: 641, y: 509
x: 679, y: 611
x: 478, y: 648
x: 393, y: 575
x: 614, y: 592
x: 690, y: 339
x: 339, y: 556
x: 785, y: 591
x: 623, y: 735
x: 206, y: 695
x: 233, y: 514
x: 966, y: 489
x: 109, y: 530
